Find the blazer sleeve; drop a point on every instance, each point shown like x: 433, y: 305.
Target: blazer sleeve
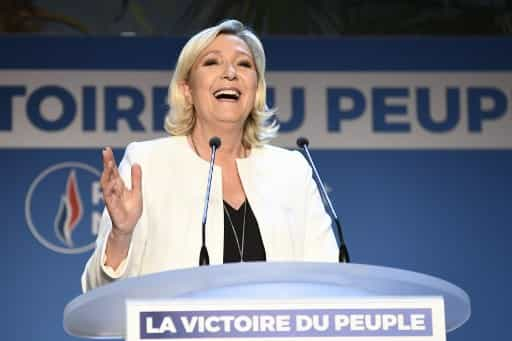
x: 320, y: 243
x: 96, y: 273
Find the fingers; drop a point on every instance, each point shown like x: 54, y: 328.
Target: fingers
x: 136, y: 178
x: 107, y: 156
x: 108, y: 159
x: 110, y: 179
x: 115, y: 171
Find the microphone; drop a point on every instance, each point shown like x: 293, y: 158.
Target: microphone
x: 343, y: 256
x: 204, y: 258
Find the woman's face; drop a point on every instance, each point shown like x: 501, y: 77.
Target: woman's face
x: 223, y: 81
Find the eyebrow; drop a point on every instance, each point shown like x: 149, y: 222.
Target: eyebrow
x: 219, y: 52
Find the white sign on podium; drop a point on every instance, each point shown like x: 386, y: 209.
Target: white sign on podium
x: 362, y: 319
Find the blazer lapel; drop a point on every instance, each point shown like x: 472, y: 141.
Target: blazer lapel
x: 263, y: 194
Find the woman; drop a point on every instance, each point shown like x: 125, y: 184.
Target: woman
x: 264, y: 203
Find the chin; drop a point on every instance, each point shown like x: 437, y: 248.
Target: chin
x: 231, y: 117
x: 233, y: 121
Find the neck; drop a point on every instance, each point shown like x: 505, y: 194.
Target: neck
x: 231, y: 146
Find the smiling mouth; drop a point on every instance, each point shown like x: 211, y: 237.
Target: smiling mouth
x: 229, y: 95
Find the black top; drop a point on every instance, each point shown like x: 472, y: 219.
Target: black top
x: 253, y: 248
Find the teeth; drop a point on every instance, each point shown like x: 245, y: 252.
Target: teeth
x: 227, y: 92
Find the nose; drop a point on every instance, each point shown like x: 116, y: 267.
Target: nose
x: 229, y: 72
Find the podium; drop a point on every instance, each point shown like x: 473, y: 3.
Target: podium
x: 102, y: 312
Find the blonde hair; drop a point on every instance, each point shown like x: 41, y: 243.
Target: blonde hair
x: 261, y: 125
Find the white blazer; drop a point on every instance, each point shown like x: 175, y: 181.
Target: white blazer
x: 278, y: 184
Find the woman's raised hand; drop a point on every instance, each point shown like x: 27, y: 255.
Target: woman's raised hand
x: 124, y: 205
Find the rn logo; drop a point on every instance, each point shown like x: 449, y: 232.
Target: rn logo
x: 63, y: 207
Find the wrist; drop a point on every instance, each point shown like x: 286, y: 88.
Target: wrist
x: 117, y: 246
x: 120, y: 237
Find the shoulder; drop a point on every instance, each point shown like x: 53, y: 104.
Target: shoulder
x: 157, y: 158
x: 282, y: 160
x: 146, y: 151
x: 281, y: 155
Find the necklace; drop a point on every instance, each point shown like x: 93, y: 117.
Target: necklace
x: 240, y: 248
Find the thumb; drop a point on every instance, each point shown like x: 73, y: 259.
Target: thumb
x: 136, y: 178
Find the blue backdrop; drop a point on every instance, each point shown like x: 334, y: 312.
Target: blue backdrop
x: 445, y: 211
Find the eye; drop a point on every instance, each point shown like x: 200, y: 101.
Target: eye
x: 245, y: 63
x: 210, y: 61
